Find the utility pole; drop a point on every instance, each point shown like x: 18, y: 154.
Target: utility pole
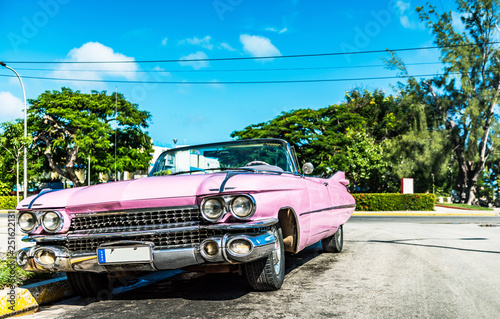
x: 25, y: 182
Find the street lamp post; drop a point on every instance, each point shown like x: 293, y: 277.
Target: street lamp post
x: 25, y: 181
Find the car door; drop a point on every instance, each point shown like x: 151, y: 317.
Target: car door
x: 320, y: 211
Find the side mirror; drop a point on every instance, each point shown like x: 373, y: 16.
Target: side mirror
x: 308, y: 168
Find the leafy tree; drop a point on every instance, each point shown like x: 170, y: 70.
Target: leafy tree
x: 332, y: 138
x: 461, y: 102
x: 12, y: 143
x: 421, y: 154
x: 384, y: 116
x: 70, y: 126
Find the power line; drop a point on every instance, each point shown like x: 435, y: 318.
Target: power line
x: 229, y: 70
x: 223, y: 82
x: 244, y: 58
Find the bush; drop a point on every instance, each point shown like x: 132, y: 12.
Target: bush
x: 393, y: 202
x: 13, y: 275
x: 8, y: 202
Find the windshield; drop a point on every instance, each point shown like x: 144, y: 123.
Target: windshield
x: 256, y: 155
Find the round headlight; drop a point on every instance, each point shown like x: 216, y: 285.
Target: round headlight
x: 51, y: 221
x: 212, y: 209
x: 242, y: 207
x: 26, y: 221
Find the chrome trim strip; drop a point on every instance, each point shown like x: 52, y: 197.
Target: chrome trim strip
x: 243, y: 226
x: 135, y: 228
x: 64, y: 237
x: 225, y: 226
x: 329, y: 208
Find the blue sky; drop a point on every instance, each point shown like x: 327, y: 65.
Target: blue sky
x: 70, y: 30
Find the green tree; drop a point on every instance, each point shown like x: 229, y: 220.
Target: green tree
x: 385, y: 116
x: 69, y: 127
x: 332, y: 138
x: 461, y: 102
x: 12, y: 143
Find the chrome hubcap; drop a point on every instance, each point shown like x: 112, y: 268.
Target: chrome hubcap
x: 339, y: 236
x: 277, y: 254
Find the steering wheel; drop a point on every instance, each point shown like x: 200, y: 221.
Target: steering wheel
x: 252, y: 163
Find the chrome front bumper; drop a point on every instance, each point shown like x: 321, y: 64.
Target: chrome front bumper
x: 261, y: 245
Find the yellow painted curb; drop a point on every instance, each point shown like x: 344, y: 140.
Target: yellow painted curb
x: 13, y: 302
x: 30, y: 297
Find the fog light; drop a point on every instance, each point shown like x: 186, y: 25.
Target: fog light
x: 45, y: 257
x: 211, y: 248
x: 240, y: 247
x: 22, y: 257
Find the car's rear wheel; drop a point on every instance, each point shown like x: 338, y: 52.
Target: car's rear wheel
x: 335, y: 242
x: 268, y: 274
x: 88, y: 284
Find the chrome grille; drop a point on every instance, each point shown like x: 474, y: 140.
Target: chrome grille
x: 161, y: 216
x: 182, y: 239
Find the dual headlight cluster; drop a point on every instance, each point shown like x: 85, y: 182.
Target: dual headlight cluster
x: 240, y: 206
x: 51, y: 221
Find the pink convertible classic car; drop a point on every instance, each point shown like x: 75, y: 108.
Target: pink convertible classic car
x: 232, y: 206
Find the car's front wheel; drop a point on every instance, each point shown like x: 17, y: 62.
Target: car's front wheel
x: 268, y: 274
x: 335, y: 242
x: 87, y: 284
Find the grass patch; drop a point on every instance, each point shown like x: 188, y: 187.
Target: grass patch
x: 13, y: 275
x: 465, y: 206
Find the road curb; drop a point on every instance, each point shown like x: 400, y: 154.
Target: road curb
x: 30, y: 297
x: 413, y: 213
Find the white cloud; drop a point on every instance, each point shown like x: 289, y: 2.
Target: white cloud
x: 227, y: 47
x: 164, y: 41
x: 204, y: 42
x: 94, y: 52
x: 285, y: 29
x: 195, y: 64
x: 11, y: 107
x: 408, y: 18
x: 258, y: 46
x: 405, y: 22
x: 402, y: 6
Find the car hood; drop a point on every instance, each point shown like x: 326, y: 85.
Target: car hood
x: 159, y: 191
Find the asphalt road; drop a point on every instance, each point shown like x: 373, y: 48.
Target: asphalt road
x: 390, y: 268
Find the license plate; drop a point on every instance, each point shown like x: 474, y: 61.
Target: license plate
x: 124, y: 254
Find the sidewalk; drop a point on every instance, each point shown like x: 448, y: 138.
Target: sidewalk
x: 439, y: 211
